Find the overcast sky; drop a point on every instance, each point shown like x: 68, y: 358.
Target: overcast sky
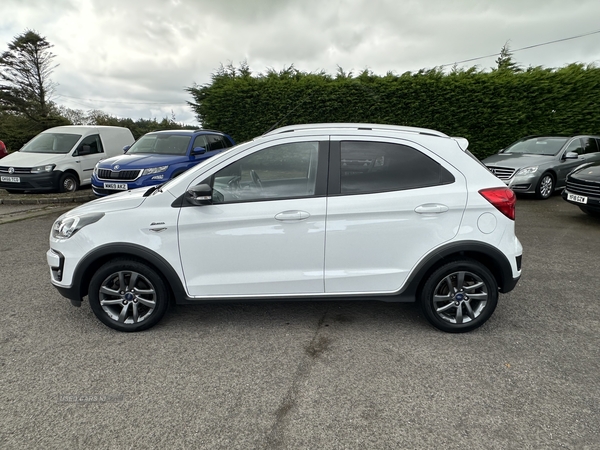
x: 134, y: 58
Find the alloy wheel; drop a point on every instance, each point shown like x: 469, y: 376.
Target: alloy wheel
x: 127, y: 297
x: 460, y: 297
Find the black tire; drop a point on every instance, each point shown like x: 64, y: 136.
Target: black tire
x: 545, y: 187
x: 126, y: 307
x: 465, y: 306
x: 68, y: 183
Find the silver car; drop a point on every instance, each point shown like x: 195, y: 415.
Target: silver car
x: 539, y: 164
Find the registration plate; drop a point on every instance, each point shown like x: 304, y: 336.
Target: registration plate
x: 577, y: 198
x: 10, y: 179
x: 116, y: 186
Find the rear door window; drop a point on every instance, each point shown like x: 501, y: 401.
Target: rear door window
x: 216, y: 142
x: 368, y: 167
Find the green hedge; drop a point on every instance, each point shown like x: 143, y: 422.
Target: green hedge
x: 490, y: 109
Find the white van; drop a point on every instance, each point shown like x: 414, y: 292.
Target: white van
x: 61, y: 158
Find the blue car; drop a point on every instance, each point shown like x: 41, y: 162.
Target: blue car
x: 155, y: 158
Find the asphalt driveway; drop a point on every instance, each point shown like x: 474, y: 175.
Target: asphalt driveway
x: 310, y: 374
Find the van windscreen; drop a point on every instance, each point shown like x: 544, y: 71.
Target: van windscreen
x: 54, y: 143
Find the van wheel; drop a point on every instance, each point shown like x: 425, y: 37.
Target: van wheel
x: 127, y: 295
x: 68, y: 183
x: 459, y: 296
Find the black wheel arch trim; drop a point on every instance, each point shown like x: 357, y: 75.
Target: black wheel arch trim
x: 487, y: 254
x: 93, y: 260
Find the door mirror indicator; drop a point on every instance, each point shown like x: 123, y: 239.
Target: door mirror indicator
x: 199, y: 195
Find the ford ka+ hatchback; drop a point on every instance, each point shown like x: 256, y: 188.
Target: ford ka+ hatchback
x: 325, y: 211
x: 155, y: 158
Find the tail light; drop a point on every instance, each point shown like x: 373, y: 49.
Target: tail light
x: 502, y: 198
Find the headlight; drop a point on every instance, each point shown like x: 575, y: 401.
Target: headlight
x: 154, y: 170
x: 40, y: 169
x: 527, y: 170
x: 96, y: 168
x: 65, y: 227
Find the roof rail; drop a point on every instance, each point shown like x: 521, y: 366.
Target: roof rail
x: 187, y: 130
x: 354, y: 126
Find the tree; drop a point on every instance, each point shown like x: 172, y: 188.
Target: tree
x: 505, y: 60
x: 25, y: 84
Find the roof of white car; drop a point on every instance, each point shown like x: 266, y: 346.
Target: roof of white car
x: 354, y: 126
x: 78, y: 129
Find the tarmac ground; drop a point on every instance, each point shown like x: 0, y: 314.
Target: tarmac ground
x: 15, y: 207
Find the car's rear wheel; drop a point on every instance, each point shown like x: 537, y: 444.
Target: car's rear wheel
x: 459, y: 296
x: 545, y: 186
x: 127, y: 295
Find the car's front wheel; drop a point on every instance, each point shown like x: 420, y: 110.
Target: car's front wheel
x: 127, y: 295
x: 68, y: 183
x: 545, y: 187
x: 459, y: 296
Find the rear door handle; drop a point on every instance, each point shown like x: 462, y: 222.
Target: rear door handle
x: 431, y: 208
x: 286, y: 216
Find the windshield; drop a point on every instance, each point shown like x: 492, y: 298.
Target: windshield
x: 161, y: 144
x: 51, y: 143
x: 549, y: 146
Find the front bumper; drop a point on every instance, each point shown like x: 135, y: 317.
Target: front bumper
x: 525, y: 184
x: 98, y: 186
x: 592, y: 203
x: 46, y: 181
x: 56, y: 262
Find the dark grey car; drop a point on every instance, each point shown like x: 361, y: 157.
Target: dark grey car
x: 539, y: 164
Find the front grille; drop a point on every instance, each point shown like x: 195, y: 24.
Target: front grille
x: 123, y: 175
x: 18, y: 170
x: 582, y: 188
x: 504, y: 173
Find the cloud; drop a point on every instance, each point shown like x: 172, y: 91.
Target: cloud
x: 115, y: 55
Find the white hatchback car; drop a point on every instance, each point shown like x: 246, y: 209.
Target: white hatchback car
x: 324, y: 211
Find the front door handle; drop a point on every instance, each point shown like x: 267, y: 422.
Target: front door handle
x: 431, y: 208
x: 292, y: 215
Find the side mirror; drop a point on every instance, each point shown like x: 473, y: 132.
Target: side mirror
x: 198, y: 151
x: 571, y: 155
x: 127, y: 147
x: 199, y: 195
x: 500, y: 151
